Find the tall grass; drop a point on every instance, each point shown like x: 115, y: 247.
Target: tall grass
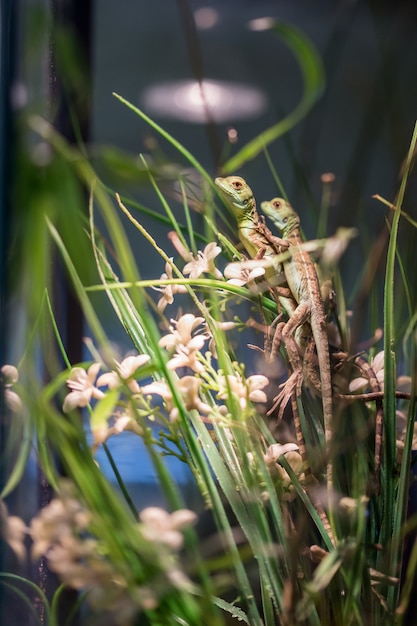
x: 281, y: 559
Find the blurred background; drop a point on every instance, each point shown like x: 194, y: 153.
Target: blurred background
x: 62, y: 60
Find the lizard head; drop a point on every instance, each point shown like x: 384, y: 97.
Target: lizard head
x: 237, y: 193
x: 282, y: 214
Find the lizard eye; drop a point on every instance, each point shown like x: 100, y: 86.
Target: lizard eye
x: 277, y: 204
x: 236, y: 184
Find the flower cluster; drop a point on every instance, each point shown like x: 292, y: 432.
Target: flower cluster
x: 197, y: 385
x: 242, y: 273
x: 64, y: 531
x: 85, y: 386
x: 184, y: 343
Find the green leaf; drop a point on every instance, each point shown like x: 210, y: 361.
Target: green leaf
x: 232, y: 609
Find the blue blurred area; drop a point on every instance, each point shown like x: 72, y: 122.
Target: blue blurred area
x: 136, y: 469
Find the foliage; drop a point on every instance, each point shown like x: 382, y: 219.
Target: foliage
x: 292, y: 550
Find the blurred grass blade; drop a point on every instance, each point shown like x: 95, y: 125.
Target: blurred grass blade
x: 312, y: 72
x: 181, y: 149
x: 88, y: 309
x: 234, y: 611
x: 393, y: 517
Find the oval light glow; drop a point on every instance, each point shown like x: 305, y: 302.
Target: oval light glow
x: 190, y: 101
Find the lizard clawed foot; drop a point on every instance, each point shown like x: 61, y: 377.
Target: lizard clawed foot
x: 293, y: 383
x: 263, y: 328
x: 269, y: 351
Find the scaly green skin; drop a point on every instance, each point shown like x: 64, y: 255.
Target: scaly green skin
x: 259, y: 242
x: 302, y: 279
x: 240, y: 199
x: 255, y: 237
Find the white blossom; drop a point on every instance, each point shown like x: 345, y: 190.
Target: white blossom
x: 377, y: 365
x: 245, y: 389
x: 294, y: 459
x: 204, y: 262
x: 82, y: 385
x: 168, y: 291
x: 188, y: 387
x: 245, y: 273
x: 125, y: 370
x: 13, y: 531
x: 186, y: 344
x: 160, y: 526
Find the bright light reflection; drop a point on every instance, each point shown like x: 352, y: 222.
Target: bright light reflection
x: 189, y: 101
x: 206, y: 17
x: 261, y: 23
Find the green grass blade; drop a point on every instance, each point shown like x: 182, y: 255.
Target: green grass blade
x: 393, y: 517
x: 5, y: 576
x: 88, y: 309
x: 176, y: 144
x: 313, y: 85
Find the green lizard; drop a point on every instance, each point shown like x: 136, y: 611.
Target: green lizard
x: 301, y: 276
x: 259, y: 242
x: 255, y: 237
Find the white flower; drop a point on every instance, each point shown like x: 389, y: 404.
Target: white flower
x: 124, y: 372
x: 159, y: 387
x: 186, y: 345
x: 377, y: 365
x: 188, y: 386
x: 204, y: 262
x: 181, y: 333
x: 162, y: 527
x: 10, y: 376
x: 82, y: 387
x: 168, y: 291
x: 404, y: 384
x: 13, y: 531
x: 277, y: 449
x: 245, y: 273
x: 64, y: 532
x: 255, y: 384
x: 249, y: 389
x: 294, y: 459
x: 56, y: 521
